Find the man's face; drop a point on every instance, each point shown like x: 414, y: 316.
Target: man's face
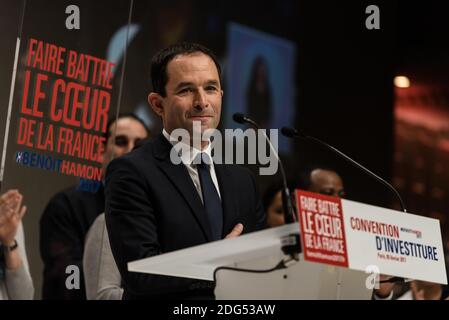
x: 193, y: 93
x: 123, y: 136
x: 326, y: 182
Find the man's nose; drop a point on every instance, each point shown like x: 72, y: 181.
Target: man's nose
x: 201, y: 99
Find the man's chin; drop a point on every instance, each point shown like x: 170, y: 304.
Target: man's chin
x: 201, y: 130
x: 203, y: 127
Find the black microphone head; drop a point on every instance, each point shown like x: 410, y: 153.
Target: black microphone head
x: 289, y: 132
x: 239, y: 117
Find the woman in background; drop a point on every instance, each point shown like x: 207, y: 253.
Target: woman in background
x: 258, y: 94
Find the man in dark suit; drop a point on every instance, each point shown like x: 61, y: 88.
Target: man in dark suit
x: 155, y: 206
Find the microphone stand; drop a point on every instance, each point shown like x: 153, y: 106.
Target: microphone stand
x: 293, y: 133
x: 289, y: 211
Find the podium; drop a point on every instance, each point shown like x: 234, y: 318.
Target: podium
x: 258, y: 251
x: 343, y: 244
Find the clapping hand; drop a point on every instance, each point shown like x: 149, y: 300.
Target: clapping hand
x: 11, y: 214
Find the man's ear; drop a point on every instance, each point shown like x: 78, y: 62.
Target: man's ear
x: 155, y: 101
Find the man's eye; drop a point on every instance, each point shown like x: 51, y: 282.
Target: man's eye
x: 211, y: 88
x: 185, y: 90
x: 327, y: 192
x: 121, y: 141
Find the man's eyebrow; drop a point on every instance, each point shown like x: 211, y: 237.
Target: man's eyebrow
x: 188, y: 84
x: 183, y: 84
x: 212, y: 82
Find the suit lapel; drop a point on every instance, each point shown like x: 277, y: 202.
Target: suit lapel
x: 180, y: 178
x: 228, y: 198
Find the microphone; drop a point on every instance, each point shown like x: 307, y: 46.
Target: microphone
x: 289, y: 212
x: 240, y: 118
x: 293, y: 133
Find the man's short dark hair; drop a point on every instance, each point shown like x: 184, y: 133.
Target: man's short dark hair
x: 113, y: 119
x: 159, y: 76
x: 304, y: 181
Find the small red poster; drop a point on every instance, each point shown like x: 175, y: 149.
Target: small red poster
x: 322, y: 228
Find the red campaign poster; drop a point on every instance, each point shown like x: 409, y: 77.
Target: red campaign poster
x: 322, y: 228
x: 64, y: 110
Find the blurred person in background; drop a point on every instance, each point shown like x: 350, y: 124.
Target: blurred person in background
x: 71, y: 212
x: 318, y: 179
x: 102, y: 277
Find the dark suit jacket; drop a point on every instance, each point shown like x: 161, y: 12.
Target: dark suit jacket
x: 63, y: 227
x: 152, y: 207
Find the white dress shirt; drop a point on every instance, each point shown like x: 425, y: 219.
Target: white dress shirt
x: 187, y: 159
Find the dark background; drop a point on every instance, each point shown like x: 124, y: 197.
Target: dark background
x: 344, y: 82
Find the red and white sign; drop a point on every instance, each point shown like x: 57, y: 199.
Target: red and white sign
x: 322, y: 228
x: 364, y: 237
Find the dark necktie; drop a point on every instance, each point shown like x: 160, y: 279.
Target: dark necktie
x: 211, y: 200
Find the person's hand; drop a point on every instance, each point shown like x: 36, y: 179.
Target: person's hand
x: 417, y: 291
x: 424, y: 290
x: 419, y: 295
x: 384, y: 288
x: 11, y: 213
x: 238, y: 229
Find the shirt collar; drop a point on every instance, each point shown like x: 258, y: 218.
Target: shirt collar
x: 187, y: 158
